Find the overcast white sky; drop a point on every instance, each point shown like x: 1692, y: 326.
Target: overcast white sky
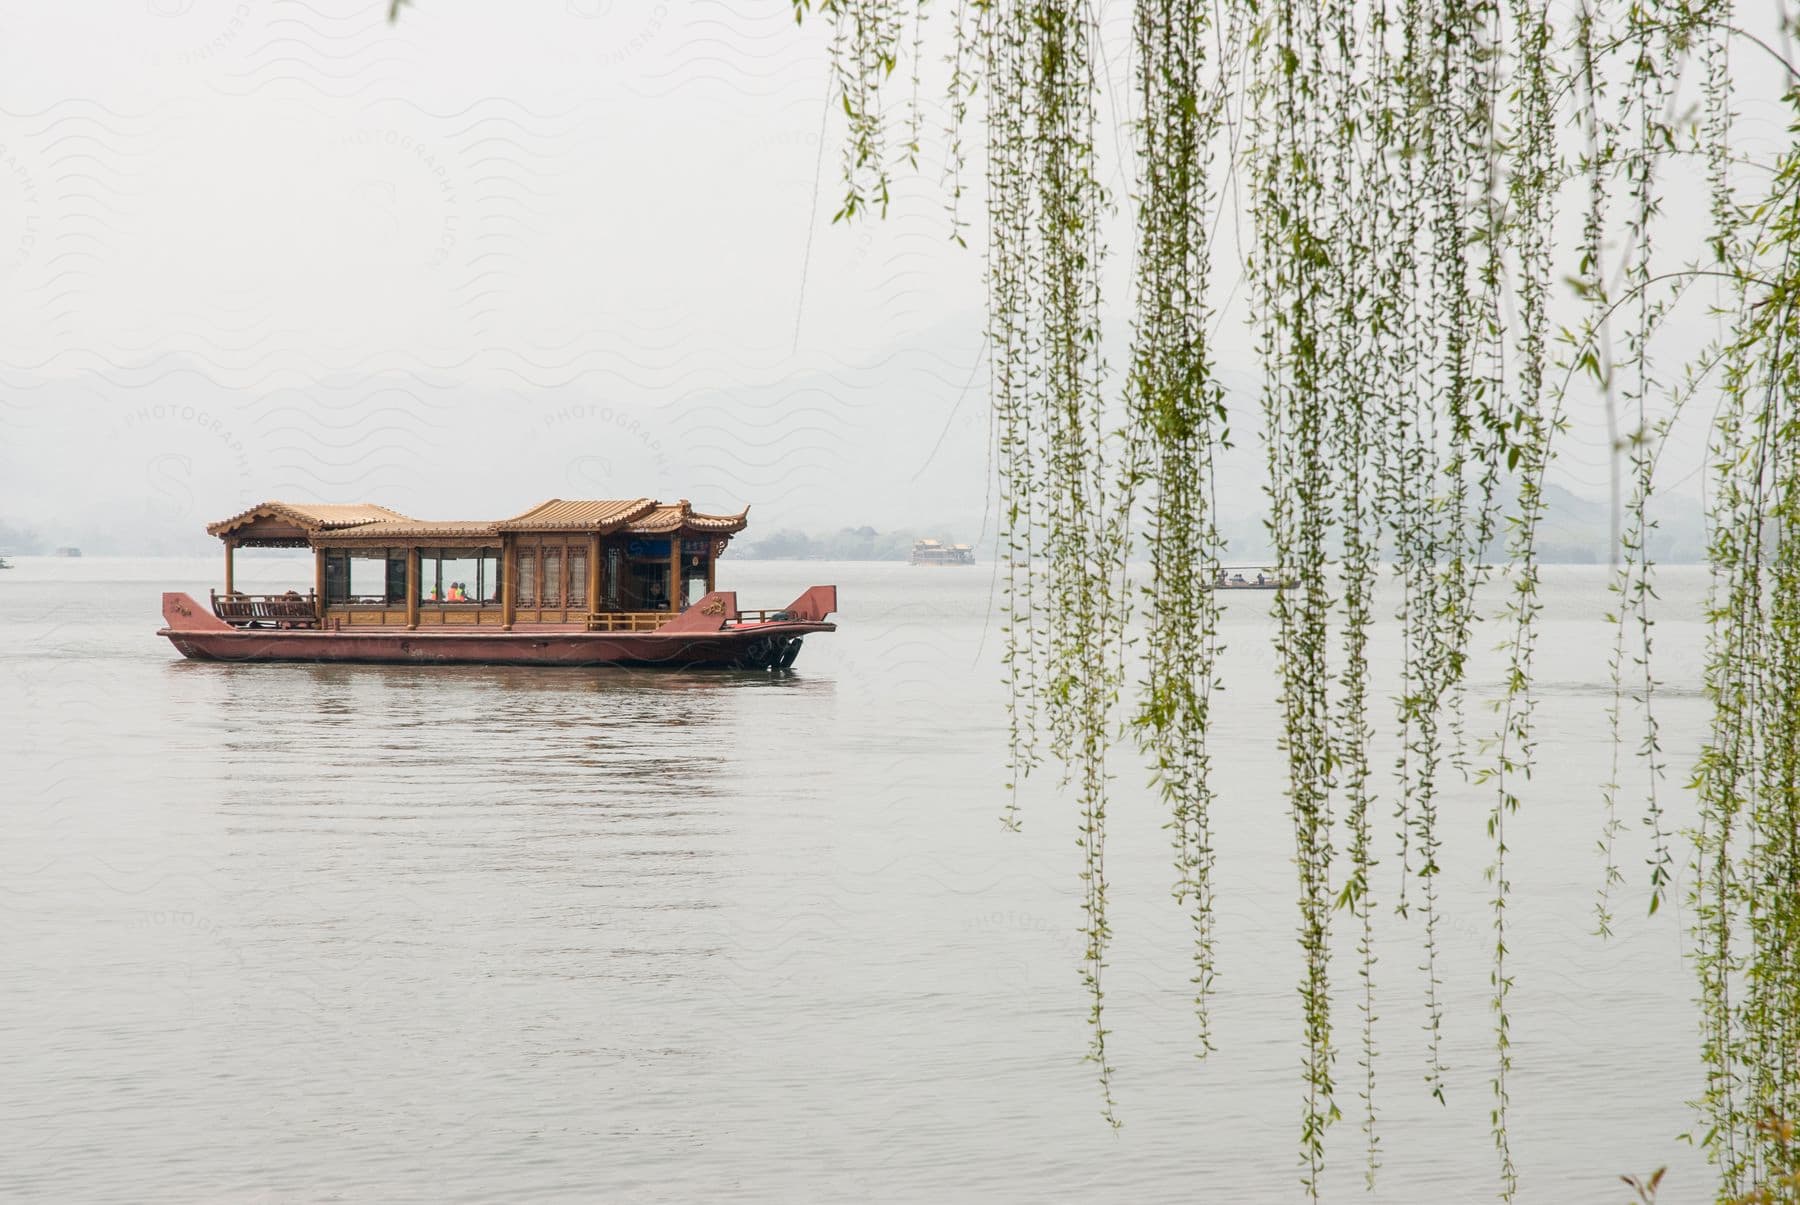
x: 497, y: 253
x: 494, y: 254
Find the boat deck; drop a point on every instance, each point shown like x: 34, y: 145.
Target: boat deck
x: 712, y: 632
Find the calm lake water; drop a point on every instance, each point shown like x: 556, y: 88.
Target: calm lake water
x: 297, y: 933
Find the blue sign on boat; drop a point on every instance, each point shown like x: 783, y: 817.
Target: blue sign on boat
x: 647, y: 547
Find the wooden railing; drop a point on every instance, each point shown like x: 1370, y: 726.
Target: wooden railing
x: 761, y: 615
x: 649, y: 621
x: 627, y: 621
x: 290, y: 610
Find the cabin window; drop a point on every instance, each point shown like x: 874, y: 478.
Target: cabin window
x: 460, y: 572
x: 337, y: 577
x: 648, y: 584
x: 550, y: 589
x: 578, y: 577
x: 457, y: 575
x: 368, y: 577
x: 696, y: 556
x: 487, y: 576
x: 528, y: 577
x: 613, y: 580
x: 396, y: 576
x: 431, y: 575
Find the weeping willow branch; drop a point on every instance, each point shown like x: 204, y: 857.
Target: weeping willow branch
x: 1177, y: 415
x: 865, y: 49
x: 1401, y: 162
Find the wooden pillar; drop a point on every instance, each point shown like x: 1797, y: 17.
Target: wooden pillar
x: 593, y: 573
x: 712, y: 565
x: 412, y: 588
x: 230, y: 550
x: 675, y: 572
x: 319, y: 584
x: 509, y: 594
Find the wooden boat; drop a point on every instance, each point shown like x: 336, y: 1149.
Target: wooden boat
x: 1233, y: 577
x: 569, y: 582
x: 935, y: 552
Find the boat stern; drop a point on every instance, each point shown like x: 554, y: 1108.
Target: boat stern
x: 814, y: 605
x: 181, y: 613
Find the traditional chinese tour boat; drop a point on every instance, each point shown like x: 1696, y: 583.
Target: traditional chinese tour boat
x: 936, y: 552
x: 622, y: 582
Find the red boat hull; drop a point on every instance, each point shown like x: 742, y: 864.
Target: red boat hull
x: 691, y: 640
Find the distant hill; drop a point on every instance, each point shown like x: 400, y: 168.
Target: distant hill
x: 1575, y: 530
x: 845, y: 544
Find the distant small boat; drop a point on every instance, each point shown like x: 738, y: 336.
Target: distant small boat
x: 1249, y: 578
x: 67, y: 551
x: 4, y: 563
x: 936, y: 552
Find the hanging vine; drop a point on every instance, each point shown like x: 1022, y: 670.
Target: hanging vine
x: 1746, y: 891
x: 865, y: 50
x: 1062, y: 532
x: 1403, y: 167
x: 1524, y: 433
x: 1177, y: 416
x: 1401, y: 164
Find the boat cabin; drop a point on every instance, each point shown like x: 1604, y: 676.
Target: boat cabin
x: 590, y: 565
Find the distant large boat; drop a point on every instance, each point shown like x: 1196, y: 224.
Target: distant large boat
x: 936, y: 552
x: 609, y: 582
x: 67, y: 551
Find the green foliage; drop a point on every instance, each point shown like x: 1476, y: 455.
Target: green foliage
x: 1177, y: 416
x: 865, y: 49
x: 1399, y: 164
x: 1746, y: 889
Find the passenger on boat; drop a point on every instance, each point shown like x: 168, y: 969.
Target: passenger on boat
x: 456, y: 592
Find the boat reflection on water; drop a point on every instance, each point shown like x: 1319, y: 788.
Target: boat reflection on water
x: 502, y: 724
x: 489, y: 681
x: 621, y: 792
x: 467, y: 708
